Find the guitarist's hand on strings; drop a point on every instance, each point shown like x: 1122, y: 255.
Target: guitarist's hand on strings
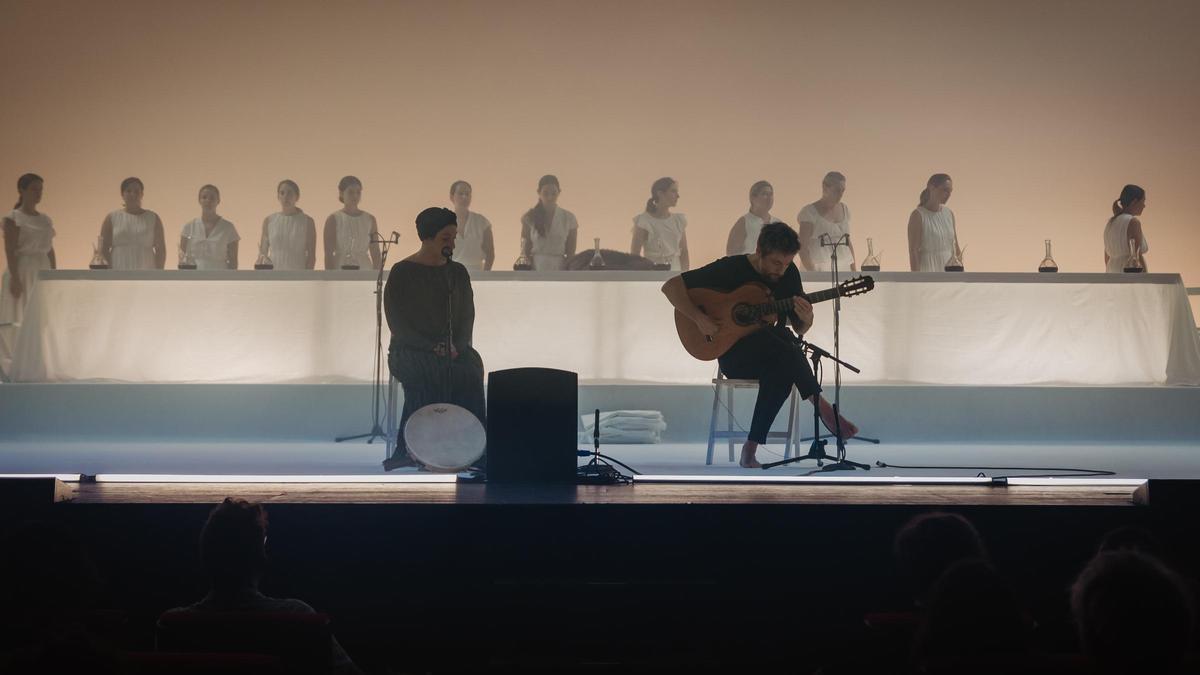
x: 804, y: 311
x: 706, y: 325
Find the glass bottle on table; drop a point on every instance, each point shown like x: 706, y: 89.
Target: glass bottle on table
x: 187, y: 261
x: 597, y: 262
x: 264, y: 261
x: 523, y: 263
x: 1048, y: 264
x: 955, y: 263
x: 348, y: 256
x: 1134, y: 266
x: 871, y: 263
x: 98, y: 262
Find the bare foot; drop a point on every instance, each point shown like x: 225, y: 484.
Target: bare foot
x: 748, y: 461
x: 849, y: 430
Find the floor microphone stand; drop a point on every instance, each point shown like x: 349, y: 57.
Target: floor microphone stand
x: 817, y: 449
x: 377, y: 384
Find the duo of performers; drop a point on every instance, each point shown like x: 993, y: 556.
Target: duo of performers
x: 431, y: 313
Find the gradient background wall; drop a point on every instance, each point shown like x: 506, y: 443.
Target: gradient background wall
x: 1041, y: 111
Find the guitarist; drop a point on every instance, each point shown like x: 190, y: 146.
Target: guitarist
x: 769, y: 355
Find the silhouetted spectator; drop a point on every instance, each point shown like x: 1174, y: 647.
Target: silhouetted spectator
x: 1134, y: 615
x: 1131, y: 538
x: 233, y: 553
x: 928, y: 544
x: 972, y: 613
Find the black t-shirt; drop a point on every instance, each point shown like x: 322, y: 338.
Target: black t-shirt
x: 732, y: 272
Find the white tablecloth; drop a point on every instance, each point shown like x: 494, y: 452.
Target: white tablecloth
x: 266, y: 327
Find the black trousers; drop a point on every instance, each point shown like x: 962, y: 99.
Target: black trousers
x: 426, y: 379
x: 770, y: 357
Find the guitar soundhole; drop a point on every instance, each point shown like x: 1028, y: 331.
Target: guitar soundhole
x: 743, y: 314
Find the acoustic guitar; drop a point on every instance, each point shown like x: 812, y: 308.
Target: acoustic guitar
x: 745, y: 310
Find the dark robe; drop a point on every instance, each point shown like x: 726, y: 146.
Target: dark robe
x: 417, y: 301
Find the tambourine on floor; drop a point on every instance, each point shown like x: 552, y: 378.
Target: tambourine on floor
x: 445, y: 438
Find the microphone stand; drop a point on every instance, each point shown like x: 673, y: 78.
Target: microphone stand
x: 817, y: 449
x: 827, y: 241
x: 377, y: 395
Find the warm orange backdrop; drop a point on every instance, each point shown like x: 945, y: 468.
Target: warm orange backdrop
x: 1040, y: 110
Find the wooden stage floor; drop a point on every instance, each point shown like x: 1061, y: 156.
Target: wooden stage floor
x: 1095, y: 493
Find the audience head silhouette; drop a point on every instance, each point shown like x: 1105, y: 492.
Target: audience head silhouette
x: 928, y: 544
x: 1132, y: 612
x: 972, y: 611
x: 233, y: 544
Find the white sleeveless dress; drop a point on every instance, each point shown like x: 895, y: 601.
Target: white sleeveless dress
x: 35, y: 238
x: 468, y: 245
x: 287, y: 240
x: 353, y: 235
x: 210, y: 251
x: 133, y: 240
x: 550, y: 248
x: 754, y: 226
x: 1116, y: 243
x: 664, y: 237
x: 35, y: 235
x: 937, y: 238
x: 818, y: 254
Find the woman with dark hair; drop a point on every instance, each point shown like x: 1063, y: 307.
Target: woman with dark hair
x: 28, y: 248
x: 663, y: 234
x: 743, y: 236
x: 932, y: 237
x: 211, y: 240
x: 289, y: 236
x: 350, y: 232
x: 475, y: 248
x: 829, y: 215
x: 548, y: 231
x: 131, y: 238
x: 1123, y: 227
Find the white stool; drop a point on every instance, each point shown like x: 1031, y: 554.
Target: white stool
x: 730, y: 385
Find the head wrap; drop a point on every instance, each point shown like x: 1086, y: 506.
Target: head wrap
x: 433, y: 220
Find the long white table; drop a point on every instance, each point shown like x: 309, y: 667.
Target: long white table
x: 273, y: 327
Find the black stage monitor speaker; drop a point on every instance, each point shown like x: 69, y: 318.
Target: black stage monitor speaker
x: 531, y: 435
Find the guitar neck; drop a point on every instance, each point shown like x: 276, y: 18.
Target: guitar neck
x: 784, y: 306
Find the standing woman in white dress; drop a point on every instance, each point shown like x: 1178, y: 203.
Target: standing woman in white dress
x: 210, y: 239
x: 828, y: 215
x: 474, y: 248
x: 663, y: 234
x: 932, y: 237
x: 548, y: 231
x: 1123, y: 226
x: 743, y: 236
x: 289, y: 236
x: 28, y: 249
x: 132, y: 238
x: 350, y: 232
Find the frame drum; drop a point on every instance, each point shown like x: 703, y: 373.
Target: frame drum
x: 445, y: 437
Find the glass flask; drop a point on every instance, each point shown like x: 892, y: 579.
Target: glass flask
x: 597, y: 262
x: 264, y: 261
x: 98, y: 261
x: 523, y: 263
x: 871, y: 263
x: 955, y: 263
x: 1134, y: 265
x: 187, y: 261
x: 1048, y: 264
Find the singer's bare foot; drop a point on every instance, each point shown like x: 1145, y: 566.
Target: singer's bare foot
x: 849, y: 430
x: 748, y: 461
